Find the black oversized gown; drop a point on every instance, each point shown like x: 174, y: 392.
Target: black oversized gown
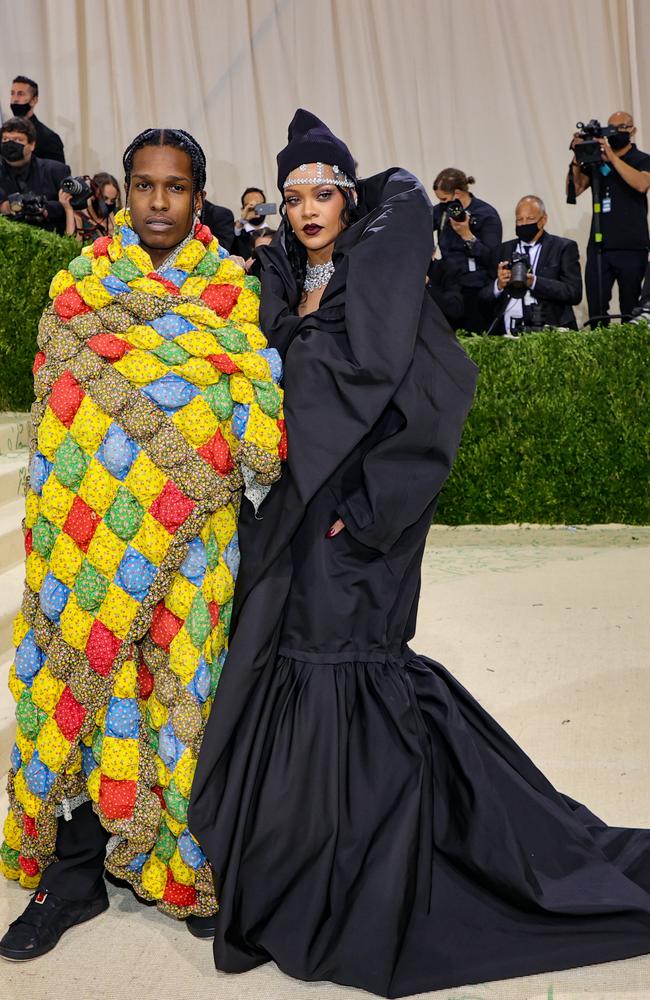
x: 368, y: 823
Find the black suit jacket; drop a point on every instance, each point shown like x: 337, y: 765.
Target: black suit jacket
x: 40, y: 177
x: 48, y: 143
x: 221, y: 223
x: 558, y: 284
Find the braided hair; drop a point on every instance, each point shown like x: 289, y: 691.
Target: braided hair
x: 297, y: 253
x: 175, y: 137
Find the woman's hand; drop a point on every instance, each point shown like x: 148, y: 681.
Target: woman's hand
x: 66, y: 198
x: 462, y: 228
x: 335, y: 529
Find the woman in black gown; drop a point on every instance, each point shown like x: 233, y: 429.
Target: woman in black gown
x: 368, y: 823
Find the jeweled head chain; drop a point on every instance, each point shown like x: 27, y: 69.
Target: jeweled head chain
x: 339, y: 179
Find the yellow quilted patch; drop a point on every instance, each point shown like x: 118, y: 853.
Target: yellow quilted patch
x: 223, y: 524
x: 247, y: 308
x: 200, y: 343
x: 75, y: 624
x: 200, y: 315
x: 262, y: 430
x: 174, y: 825
x: 15, y: 684
x: 180, y: 595
x: 192, y: 287
x: 35, y: 571
x: 52, y: 746
x: 157, y: 711
x: 56, y: 501
x: 254, y: 335
x: 139, y: 257
x: 32, y: 508
x: 139, y: 367
x: 154, y: 877
x: 106, y: 550
x: 144, y: 480
x: 143, y: 337
x: 126, y: 680
x: 120, y: 758
x: 152, y: 540
x: 190, y: 256
x: 162, y: 774
x: 221, y: 583
x: 30, y: 802
x: 51, y: 433
x: 93, y: 292
x: 183, y: 656
x: 98, y: 487
x: 184, y: 773
x: 94, y: 783
x: 240, y: 389
x: 46, y: 690
x: 60, y: 281
x: 198, y: 371
x: 25, y: 746
x: 253, y: 366
x: 65, y: 559
x: 118, y: 611
x: 89, y: 425
x: 196, y: 422
x: 12, y: 832
x: 229, y: 273
x: 21, y: 628
x: 182, y: 873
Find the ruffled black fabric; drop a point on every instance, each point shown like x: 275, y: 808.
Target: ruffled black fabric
x: 367, y: 822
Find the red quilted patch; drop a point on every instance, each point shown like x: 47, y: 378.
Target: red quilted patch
x: 102, y: 648
x: 69, y: 715
x: 108, y: 346
x: 28, y: 865
x: 164, y: 626
x: 171, y: 507
x: 158, y: 792
x: 39, y: 361
x: 223, y: 363
x: 202, y: 234
x: 168, y: 285
x: 28, y: 542
x: 29, y: 826
x: 69, y: 303
x: 65, y: 398
x: 177, y: 894
x: 213, y: 608
x: 282, y: 446
x: 81, y: 523
x: 145, y: 681
x: 117, y: 798
x: 221, y: 298
x: 100, y: 246
x: 217, y: 453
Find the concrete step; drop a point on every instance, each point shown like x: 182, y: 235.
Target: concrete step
x: 13, y: 475
x: 15, y: 429
x: 11, y: 595
x: 12, y: 551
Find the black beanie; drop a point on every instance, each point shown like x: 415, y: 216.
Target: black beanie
x: 310, y: 141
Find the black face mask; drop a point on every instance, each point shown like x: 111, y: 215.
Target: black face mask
x: 527, y: 232
x: 620, y: 140
x: 20, y: 110
x: 102, y: 207
x: 12, y: 151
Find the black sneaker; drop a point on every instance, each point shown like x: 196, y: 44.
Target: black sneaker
x: 201, y: 927
x: 45, y: 919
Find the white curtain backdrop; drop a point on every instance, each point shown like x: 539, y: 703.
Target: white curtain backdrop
x: 491, y: 86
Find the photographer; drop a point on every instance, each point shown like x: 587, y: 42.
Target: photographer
x: 23, y: 101
x: 34, y: 182
x: 250, y: 221
x: 538, y: 276
x: 623, y: 175
x: 468, y: 232
x: 90, y: 204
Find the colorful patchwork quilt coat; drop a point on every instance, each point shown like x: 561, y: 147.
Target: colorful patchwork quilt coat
x: 156, y: 400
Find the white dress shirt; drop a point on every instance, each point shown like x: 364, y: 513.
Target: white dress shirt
x: 515, y: 307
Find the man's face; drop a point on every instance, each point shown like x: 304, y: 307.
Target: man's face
x: 22, y: 94
x: 528, y: 211
x: 28, y: 147
x: 252, y: 199
x: 160, y: 198
x: 623, y: 123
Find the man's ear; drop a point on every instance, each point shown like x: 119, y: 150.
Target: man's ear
x: 199, y: 202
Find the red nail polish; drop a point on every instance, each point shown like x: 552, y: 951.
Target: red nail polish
x: 330, y: 533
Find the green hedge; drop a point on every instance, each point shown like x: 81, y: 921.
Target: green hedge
x: 29, y: 258
x: 559, y: 432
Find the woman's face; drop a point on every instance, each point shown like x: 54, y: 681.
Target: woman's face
x: 110, y: 194
x: 314, y: 210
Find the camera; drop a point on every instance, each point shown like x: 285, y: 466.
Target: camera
x: 588, y: 153
x: 268, y: 208
x: 519, y: 268
x: 80, y: 190
x: 28, y: 207
x: 455, y: 210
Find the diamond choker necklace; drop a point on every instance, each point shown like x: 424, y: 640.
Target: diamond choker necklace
x: 317, y: 276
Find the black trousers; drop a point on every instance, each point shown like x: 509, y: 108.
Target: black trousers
x: 80, y: 849
x: 626, y: 268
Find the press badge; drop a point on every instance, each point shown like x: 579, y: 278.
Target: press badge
x: 471, y: 264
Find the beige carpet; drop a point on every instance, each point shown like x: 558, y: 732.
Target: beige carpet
x: 550, y: 629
